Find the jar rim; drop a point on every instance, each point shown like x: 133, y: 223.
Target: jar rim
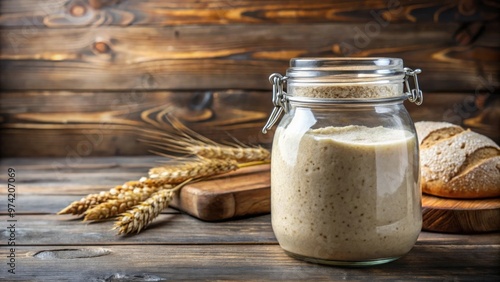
x: 364, y: 101
x: 317, y: 69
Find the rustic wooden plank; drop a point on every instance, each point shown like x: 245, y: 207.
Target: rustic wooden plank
x: 171, y: 228
x: 231, y: 195
x: 76, y: 125
x: 234, y: 56
x: 123, y: 110
x: 434, y: 238
x: 68, y: 142
x: 476, y: 111
x: 241, y: 262
x: 32, y: 218
x: 465, y: 216
x: 36, y: 210
x: 210, y: 246
x: 168, y: 228
x: 244, y: 192
x: 93, y: 164
x: 28, y: 204
x: 38, y: 204
x: 75, y: 176
x: 60, y: 178
x: 43, y: 123
x: 156, y: 12
x: 448, y: 107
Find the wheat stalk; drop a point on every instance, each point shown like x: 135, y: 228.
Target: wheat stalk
x: 210, y: 151
x: 79, y: 207
x: 239, y: 154
x: 199, y: 168
x: 91, y: 200
x: 160, y: 178
x: 140, y: 202
x: 181, y: 139
x: 143, y: 214
x: 109, y: 203
x: 126, y: 200
x: 114, y: 207
x: 140, y: 216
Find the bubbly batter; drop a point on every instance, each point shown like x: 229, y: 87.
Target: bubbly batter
x: 347, y: 194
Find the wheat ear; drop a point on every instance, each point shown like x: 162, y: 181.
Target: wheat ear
x: 114, y: 207
x: 183, y: 140
x: 91, y: 200
x: 199, y: 168
x: 238, y: 154
x: 143, y: 214
x: 79, y: 207
x: 137, y: 192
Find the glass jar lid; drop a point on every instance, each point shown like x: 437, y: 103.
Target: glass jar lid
x: 341, y: 80
x: 345, y: 70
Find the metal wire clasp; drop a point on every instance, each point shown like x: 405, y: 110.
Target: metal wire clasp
x: 414, y: 95
x: 279, y: 100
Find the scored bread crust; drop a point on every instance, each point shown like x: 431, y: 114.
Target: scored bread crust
x: 429, y: 132
x: 457, y: 163
x: 480, y: 181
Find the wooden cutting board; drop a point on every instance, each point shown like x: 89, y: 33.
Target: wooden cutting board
x: 460, y: 216
x: 240, y: 193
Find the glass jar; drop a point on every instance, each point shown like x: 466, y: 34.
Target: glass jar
x: 345, y: 167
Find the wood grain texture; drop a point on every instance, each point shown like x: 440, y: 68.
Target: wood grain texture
x: 259, y: 262
x: 75, y: 125
x: 172, y: 228
x: 72, y: 71
x: 234, y: 56
x: 75, y: 76
x: 180, y: 247
x: 168, y: 228
x: 460, y: 216
x: 59, y: 13
x: 240, y: 193
x: 76, y: 177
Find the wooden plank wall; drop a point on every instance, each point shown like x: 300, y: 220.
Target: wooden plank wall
x: 77, y: 74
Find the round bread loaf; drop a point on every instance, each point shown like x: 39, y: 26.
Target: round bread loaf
x: 457, y: 163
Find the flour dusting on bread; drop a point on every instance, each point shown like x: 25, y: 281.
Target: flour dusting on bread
x: 457, y: 163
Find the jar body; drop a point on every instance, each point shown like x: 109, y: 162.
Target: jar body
x: 345, y: 182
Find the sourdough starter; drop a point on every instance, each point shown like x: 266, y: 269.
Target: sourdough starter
x: 345, y: 193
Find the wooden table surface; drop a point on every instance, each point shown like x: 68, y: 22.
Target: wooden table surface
x: 179, y: 247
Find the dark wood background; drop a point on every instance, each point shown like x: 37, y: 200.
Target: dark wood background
x: 77, y: 74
